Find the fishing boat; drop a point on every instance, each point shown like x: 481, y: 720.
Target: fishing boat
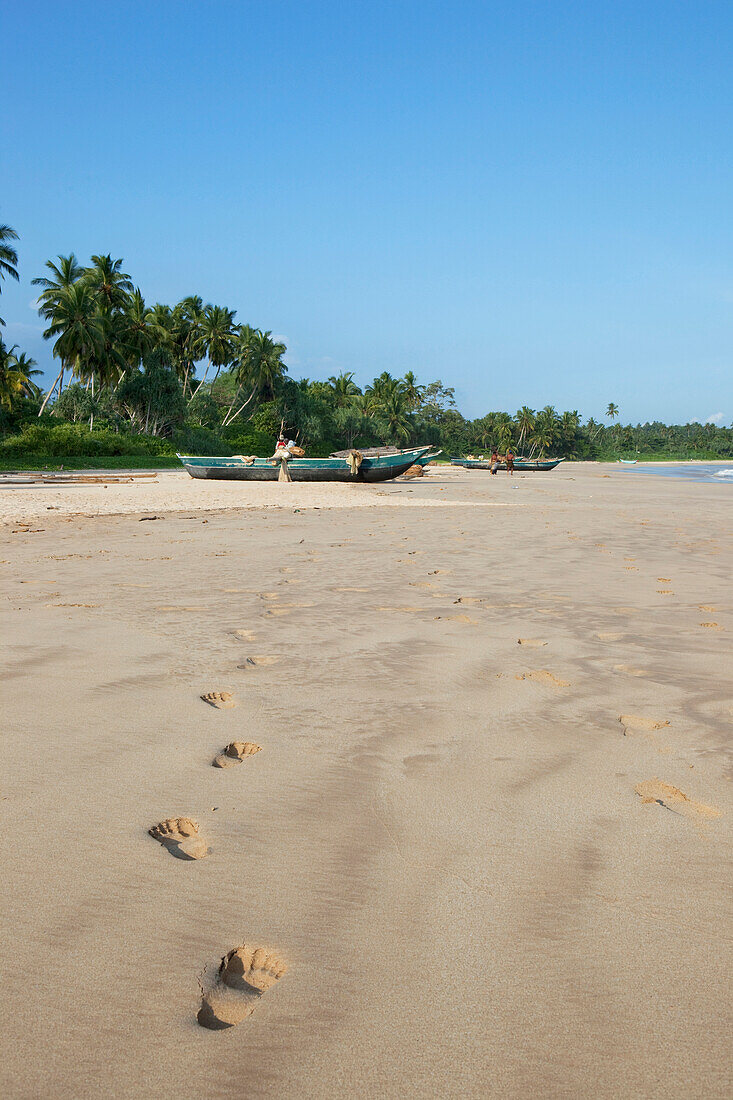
x: 425, y: 459
x: 526, y: 465
x: 628, y: 461
x: 382, y: 467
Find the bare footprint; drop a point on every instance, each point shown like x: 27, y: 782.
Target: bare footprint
x: 219, y: 699
x: 531, y: 643
x: 258, y: 662
x: 609, y: 636
x: 665, y: 592
x: 245, y: 974
x: 672, y: 798
x: 706, y: 607
x: 712, y: 626
x: 180, y: 836
x: 234, y: 753
x: 542, y: 676
x: 458, y: 619
x: 665, y: 580
x: 629, y: 670
x: 638, y: 723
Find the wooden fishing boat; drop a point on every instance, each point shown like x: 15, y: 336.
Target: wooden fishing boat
x: 525, y: 465
x: 425, y: 459
x: 382, y: 467
x: 629, y: 461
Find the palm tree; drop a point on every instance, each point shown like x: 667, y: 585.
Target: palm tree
x: 612, y: 413
x: 78, y: 326
x: 183, y: 325
x: 136, y: 330
x: 63, y: 275
x: 344, y: 388
x: 380, y: 391
x: 217, y: 339
x: 524, y: 420
x: 8, y: 255
x: 413, y: 392
x: 504, y: 429
x: 16, y: 372
x: 260, y: 369
x: 394, y: 412
x: 545, y: 429
x: 569, y: 424
x: 110, y: 285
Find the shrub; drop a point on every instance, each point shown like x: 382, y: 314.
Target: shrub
x: 75, y: 439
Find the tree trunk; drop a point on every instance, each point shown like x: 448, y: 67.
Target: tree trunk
x: 59, y: 376
x: 228, y: 419
x: 200, y: 383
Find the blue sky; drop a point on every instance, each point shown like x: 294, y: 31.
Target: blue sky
x: 530, y: 201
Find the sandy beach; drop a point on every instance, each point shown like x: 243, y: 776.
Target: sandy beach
x: 485, y: 840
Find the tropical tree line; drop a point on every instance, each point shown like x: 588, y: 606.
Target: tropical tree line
x: 190, y: 373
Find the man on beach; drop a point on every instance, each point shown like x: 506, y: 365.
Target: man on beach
x: 510, y: 461
x: 494, y: 460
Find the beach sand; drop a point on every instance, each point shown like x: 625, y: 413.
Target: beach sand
x: 477, y: 867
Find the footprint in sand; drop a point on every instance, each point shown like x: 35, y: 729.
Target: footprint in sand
x: 706, y: 607
x: 712, y: 626
x: 258, y: 662
x: 664, y: 580
x: 470, y: 601
x: 219, y: 699
x: 542, y: 676
x: 180, y: 836
x: 638, y: 723
x: 672, y: 798
x: 286, y: 608
x: 245, y: 974
x: 630, y: 671
x: 531, y: 643
x: 247, y: 635
x: 234, y: 753
x: 457, y: 619
x: 665, y: 592
x: 609, y: 636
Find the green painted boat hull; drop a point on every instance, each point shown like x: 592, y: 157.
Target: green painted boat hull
x: 383, y: 468
x: 520, y: 465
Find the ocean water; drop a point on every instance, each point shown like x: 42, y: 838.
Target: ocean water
x: 721, y: 475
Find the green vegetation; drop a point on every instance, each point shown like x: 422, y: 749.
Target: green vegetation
x: 135, y: 384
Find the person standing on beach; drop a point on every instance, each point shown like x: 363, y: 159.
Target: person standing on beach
x: 510, y: 461
x: 494, y: 460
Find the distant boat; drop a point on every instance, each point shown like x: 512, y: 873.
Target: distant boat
x: 381, y: 467
x: 526, y: 465
x: 379, y: 452
x: 629, y: 461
